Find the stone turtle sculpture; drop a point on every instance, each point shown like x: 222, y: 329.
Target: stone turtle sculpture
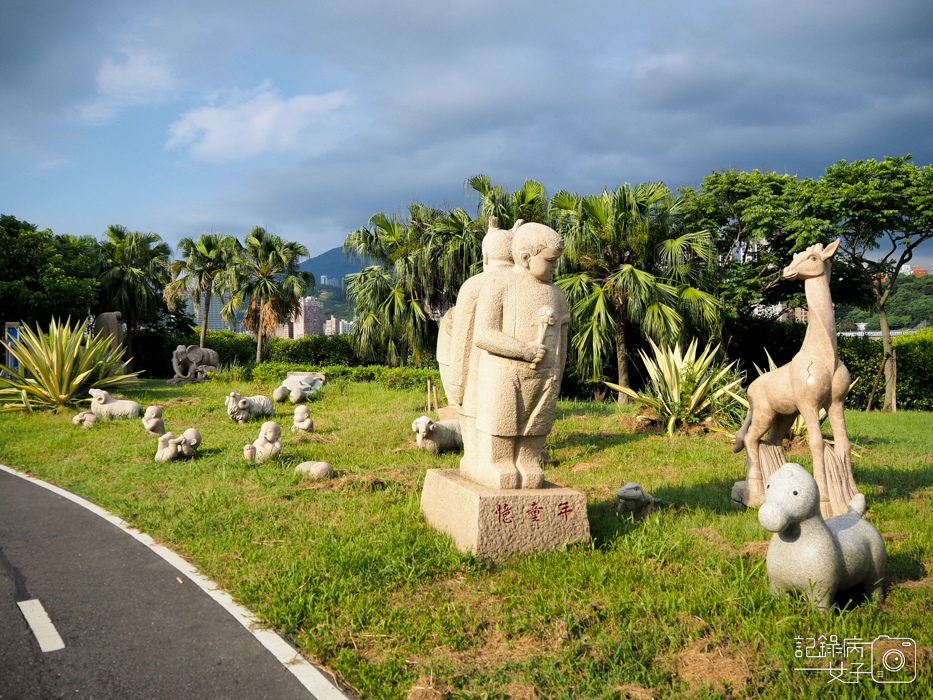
x: 103, y: 405
x: 815, y: 557
x: 437, y: 436
x: 315, y: 471
x: 241, y: 408
x: 634, y: 499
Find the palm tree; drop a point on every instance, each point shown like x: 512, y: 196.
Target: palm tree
x: 205, y: 266
x: 529, y: 203
x: 265, y: 277
x: 628, y: 261
x: 133, y: 270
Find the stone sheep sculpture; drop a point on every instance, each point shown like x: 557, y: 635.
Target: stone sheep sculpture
x: 437, y: 436
x: 302, y: 421
x: 815, y: 557
x: 152, y: 421
x: 266, y: 445
x: 85, y: 419
x: 241, y: 408
x: 103, y: 405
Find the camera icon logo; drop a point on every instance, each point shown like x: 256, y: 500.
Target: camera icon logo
x: 893, y: 659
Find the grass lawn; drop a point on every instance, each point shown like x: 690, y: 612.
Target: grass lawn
x: 672, y: 605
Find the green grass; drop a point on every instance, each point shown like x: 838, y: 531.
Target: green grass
x: 672, y: 605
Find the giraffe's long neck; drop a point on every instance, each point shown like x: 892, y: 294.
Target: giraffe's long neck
x: 820, y: 339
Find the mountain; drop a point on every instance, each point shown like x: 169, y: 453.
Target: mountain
x: 334, y: 265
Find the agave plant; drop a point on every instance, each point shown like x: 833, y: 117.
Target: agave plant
x: 58, y: 368
x: 683, y: 386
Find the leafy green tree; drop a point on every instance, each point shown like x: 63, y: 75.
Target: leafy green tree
x: 629, y: 262
x: 266, y: 279
x: 133, y: 271
x: 43, y: 275
x: 881, y: 211
x: 205, y: 266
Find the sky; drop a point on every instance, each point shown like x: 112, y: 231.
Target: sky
x: 308, y: 117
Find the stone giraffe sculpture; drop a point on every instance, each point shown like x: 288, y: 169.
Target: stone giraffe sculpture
x: 814, y: 379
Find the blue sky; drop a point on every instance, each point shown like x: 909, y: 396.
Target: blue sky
x: 307, y: 117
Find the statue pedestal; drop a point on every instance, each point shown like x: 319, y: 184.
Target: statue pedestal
x: 497, y: 523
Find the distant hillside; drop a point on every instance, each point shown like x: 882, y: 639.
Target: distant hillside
x: 334, y: 265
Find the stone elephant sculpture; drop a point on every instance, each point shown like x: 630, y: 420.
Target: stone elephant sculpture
x: 192, y: 363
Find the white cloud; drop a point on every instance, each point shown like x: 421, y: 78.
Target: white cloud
x: 132, y: 79
x: 247, y: 125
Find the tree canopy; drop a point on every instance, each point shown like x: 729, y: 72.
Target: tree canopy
x: 44, y: 275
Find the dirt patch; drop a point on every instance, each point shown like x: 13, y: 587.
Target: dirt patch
x: 631, y: 691
x: 584, y: 467
x: 927, y: 459
x: 178, y: 401
x: 894, y: 536
x: 425, y: 689
x: 757, y: 549
x: 713, y: 538
x: 520, y: 691
x: 704, y: 663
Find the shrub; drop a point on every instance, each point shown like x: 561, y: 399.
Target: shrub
x: 272, y: 374
x: 311, y: 350
x: 58, y: 368
x: 682, y: 386
x: 233, y: 348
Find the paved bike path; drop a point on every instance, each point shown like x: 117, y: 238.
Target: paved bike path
x: 132, y: 624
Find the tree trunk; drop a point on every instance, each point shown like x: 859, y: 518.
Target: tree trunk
x: 890, y: 365
x: 207, y: 308
x: 621, y: 352
x: 258, y: 347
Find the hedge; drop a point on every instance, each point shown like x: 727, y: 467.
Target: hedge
x: 914, y: 353
x: 272, y: 374
x: 310, y: 350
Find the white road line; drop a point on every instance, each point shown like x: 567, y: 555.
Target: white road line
x: 41, y: 625
x: 309, y: 675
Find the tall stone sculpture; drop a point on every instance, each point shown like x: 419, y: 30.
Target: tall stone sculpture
x: 814, y: 379
x: 508, y: 347
x: 108, y: 324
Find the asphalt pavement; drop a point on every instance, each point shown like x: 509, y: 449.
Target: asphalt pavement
x: 132, y: 625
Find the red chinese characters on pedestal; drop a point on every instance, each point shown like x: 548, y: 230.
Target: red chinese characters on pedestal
x: 535, y: 512
x: 504, y: 512
x: 565, y: 510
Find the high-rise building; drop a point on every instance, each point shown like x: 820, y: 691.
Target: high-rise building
x: 308, y: 321
x: 215, y: 322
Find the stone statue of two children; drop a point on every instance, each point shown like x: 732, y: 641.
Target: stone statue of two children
x: 502, y: 353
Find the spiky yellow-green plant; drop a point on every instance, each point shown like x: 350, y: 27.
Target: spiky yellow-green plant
x: 682, y: 385
x: 58, y: 368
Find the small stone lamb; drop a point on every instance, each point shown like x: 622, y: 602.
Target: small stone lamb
x: 241, y: 409
x: 153, y: 422
x: 815, y: 557
x: 302, y: 421
x: 85, y: 419
x: 437, y: 436
x: 266, y: 445
x: 103, y: 405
